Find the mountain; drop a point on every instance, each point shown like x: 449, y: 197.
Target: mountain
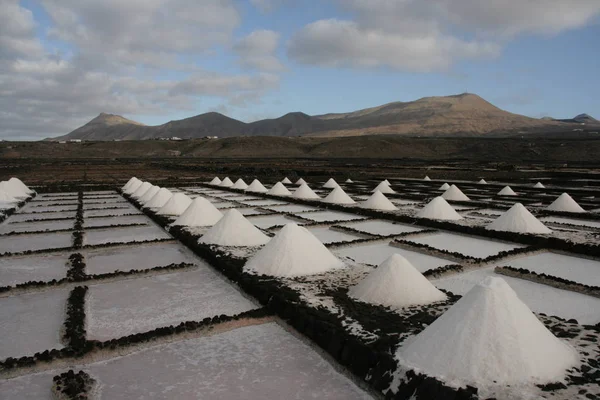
x: 581, y: 119
x: 458, y: 115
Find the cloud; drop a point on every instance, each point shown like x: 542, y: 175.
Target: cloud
x: 430, y: 35
x: 345, y: 43
x: 134, y: 57
x: 257, y: 50
x: 267, y: 6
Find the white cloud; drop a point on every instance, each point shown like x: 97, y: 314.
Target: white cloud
x: 418, y: 35
x: 119, y: 55
x: 257, y: 50
x: 267, y: 6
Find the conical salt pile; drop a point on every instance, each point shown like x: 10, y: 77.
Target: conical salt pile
x: 564, y: 202
x: 445, y: 186
x: 279, y: 190
x: 330, y: 184
x: 256, y: 187
x: 518, y: 219
x: 226, y: 182
x: 215, y: 181
x: 489, y: 337
x: 286, y: 181
x: 176, y: 205
x: 133, y: 187
x: 201, y: 212
x: 396, y: 283
x: 426, y: 178
x: 129, y: 183
x: 338, y: 196
x: 13, y: 190
x: 438, y: 208
x: 16, y: 182
x: 294, y: 251
x: 455, y: 194
x: 6, y: 197
x: 507, y: 191
x: 149, y: 194
x: 240, y: 184
x: 349, y: 180
x: 300, y: 182
x: 482, y: 182
x: 159, y: 199
x: 386, y: 182
x: 384, y: 188
x: 234, y: 230
x: 141, y: 190
x: 305, y: 192
x: 539, y: 185
x: 378, y: 201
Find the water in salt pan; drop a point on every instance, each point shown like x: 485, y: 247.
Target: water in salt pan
x: 489, y: 337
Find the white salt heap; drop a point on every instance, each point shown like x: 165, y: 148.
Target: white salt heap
x: 518, y: 219
x: 482, y: 182
x: 445, y: 186
x: 426, y: 178
x: 384, y: 188
x: 149, y: 194
x: 226, y: 182
x: 539, y: 185
x: 133, y: 187
x: 386, y: 182
x: 300, y: 182
x: 240, y: 184
x: 455, y: 194
x: 330, y: 184
x: 256, y: 187
x: 507, y: 191
x: 338, y: 196
x: 176, y: 205
x: 294, y: 251
x: 130, y: 182
x: 13, y: 190
x: 378, y: 201
x: 396, y: 283
x: 438, y: 208
x: 141, y: 190
x: 286, y: 181
x: 349, y: 180
x: 159, y: 199
x: 215, y: 181
x: 201, y: 212
x: 305, y: 192
x: 234, y: 230
x: 279, y: 190
x: 18, y: 184
x: 489, y: 337
x: 564, y: 202
x: 6, y: 197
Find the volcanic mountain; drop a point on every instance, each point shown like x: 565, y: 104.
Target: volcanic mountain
x: 458, y: 115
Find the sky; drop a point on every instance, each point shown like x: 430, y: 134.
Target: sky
x: 62, y: 62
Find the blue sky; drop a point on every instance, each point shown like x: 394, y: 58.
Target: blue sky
x: 62, y: 62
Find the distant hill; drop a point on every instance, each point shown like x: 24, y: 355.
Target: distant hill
x: 581, y: 119
x: 458, y: 115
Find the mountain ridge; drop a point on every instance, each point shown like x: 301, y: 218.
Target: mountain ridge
x: 462, y: 114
